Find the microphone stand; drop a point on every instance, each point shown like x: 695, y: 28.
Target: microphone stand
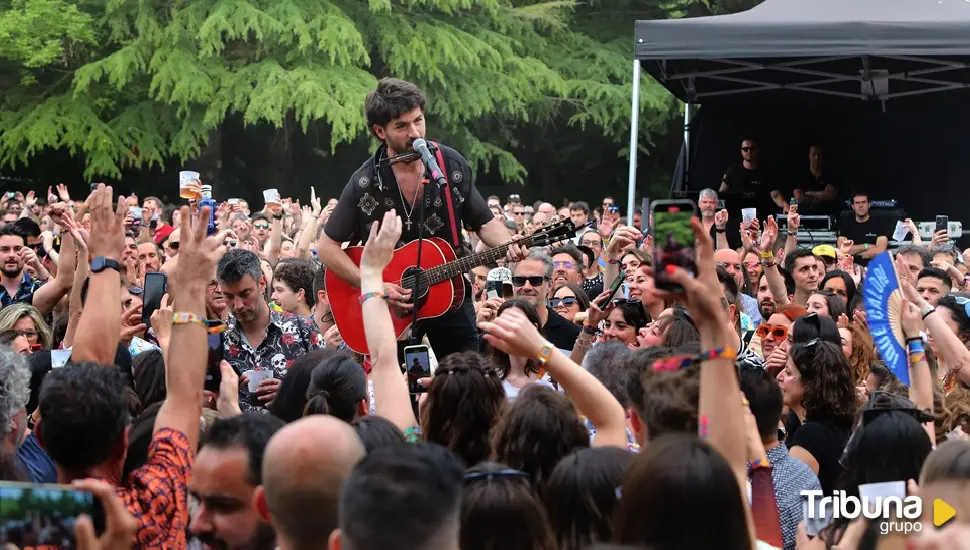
x: 417, y: 279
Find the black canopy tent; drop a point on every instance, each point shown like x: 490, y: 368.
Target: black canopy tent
x: 847, y: 50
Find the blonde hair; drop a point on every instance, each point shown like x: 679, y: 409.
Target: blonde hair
x: 15, y: 312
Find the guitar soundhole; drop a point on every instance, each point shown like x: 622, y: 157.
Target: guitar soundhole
x: 411, y: 278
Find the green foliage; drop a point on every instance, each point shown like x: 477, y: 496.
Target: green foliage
x: 130, y: 83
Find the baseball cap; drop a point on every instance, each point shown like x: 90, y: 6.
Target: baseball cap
x: 162, y: 233
x: 825, y: 251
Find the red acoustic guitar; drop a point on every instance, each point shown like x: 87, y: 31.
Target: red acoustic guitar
x: 441, y: 275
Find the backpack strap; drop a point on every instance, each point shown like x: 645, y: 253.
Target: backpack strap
x: 452, y: 215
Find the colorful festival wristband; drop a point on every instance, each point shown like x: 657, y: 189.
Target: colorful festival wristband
x: 368, y: 295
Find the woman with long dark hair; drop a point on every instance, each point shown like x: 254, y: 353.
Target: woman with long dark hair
x: 819, y: 393
x: 517, y: 372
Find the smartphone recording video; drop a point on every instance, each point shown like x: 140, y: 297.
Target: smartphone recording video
x: 156, y: 285
x: 213, y: 373
x: 673, y: 240
x: 38, y: 516
x: 417, y: 361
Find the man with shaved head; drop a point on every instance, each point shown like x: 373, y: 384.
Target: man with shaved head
x: 304, y: 468
x: 730, y: 260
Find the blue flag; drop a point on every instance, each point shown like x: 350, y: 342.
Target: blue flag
x: 883, y: 299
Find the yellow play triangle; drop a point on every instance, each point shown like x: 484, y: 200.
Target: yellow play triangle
x: 942, y: 512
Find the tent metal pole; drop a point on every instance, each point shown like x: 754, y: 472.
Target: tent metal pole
x: 634, y: 130
x: 687, y: 116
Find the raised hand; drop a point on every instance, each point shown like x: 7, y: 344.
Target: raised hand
x: 325, y: 214
x: 595, y: 314
x: 625, y: 237
x: 940, y: 238
x: 608, y: 222
x: 910, y: 225
x: 120, y: 525
x: 51, y: 197
x: 912, y: 320
x: 162, y: 322
x: 315, y: 202
x: 513, y: 333
x: 107, y: 223
x: 198, y: 254
x: 62, y: 192
x: 794, y: 219
x: 31, y: 199
x: 769, y: 234
x: 721, y: 219
x: 379, y: 248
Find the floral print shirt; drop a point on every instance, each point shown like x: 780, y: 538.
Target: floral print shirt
x: 287, y: 337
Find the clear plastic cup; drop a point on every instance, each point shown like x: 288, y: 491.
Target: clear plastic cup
x: 272, y: 196
x: 186, y: 179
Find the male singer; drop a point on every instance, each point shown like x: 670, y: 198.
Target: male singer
x: 395, y: 114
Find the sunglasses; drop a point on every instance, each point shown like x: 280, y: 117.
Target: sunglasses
x: 519, y: 213
x: 752, y: 265
x: 230, y: 243
x: 591, y: 243
x: 260, y: 226
x: 563, y: 265
x: 535, y: 280
x: 568, y: 301
x: 774, y: 332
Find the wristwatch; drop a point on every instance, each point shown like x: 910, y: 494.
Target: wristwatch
x: 927, y: 310
x: 278, y: 216
x: 100, y: 263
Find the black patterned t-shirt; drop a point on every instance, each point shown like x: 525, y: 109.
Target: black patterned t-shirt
x: 367, y: 197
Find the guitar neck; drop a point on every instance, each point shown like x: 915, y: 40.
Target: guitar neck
x: 463, y: 265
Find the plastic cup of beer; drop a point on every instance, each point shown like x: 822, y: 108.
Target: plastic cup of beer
x: 748, y: 215
x: 186, y: 189
x: 272, y: 197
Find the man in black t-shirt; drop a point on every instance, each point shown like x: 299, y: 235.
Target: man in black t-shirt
x: 395, y: 114
x: 750, y: 177
x: 868, y: 236
x: 815, y: 191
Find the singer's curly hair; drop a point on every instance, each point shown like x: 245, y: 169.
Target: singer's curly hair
x: 392, y: 98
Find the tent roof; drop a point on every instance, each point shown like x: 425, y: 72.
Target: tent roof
x: 831, y: 46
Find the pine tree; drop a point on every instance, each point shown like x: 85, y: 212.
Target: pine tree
x: 131, y: 83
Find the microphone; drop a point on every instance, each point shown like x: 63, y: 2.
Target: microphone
x: 420, y: 146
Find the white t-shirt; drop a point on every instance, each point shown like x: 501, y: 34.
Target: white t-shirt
x: 511, y: 392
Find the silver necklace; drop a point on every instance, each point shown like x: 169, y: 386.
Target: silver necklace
x: 404, y: 203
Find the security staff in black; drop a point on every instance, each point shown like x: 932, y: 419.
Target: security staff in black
x: 395, y: 114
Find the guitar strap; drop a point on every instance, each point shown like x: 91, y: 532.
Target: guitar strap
x: 452, y: 215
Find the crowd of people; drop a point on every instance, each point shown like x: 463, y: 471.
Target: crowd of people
x: 559, y: 415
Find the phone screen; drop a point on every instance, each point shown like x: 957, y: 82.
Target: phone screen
x: 35, y: 516
x: 673, y: 240
x: 213, y: 376
x: 418, y: 364
x: 155, y: 286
